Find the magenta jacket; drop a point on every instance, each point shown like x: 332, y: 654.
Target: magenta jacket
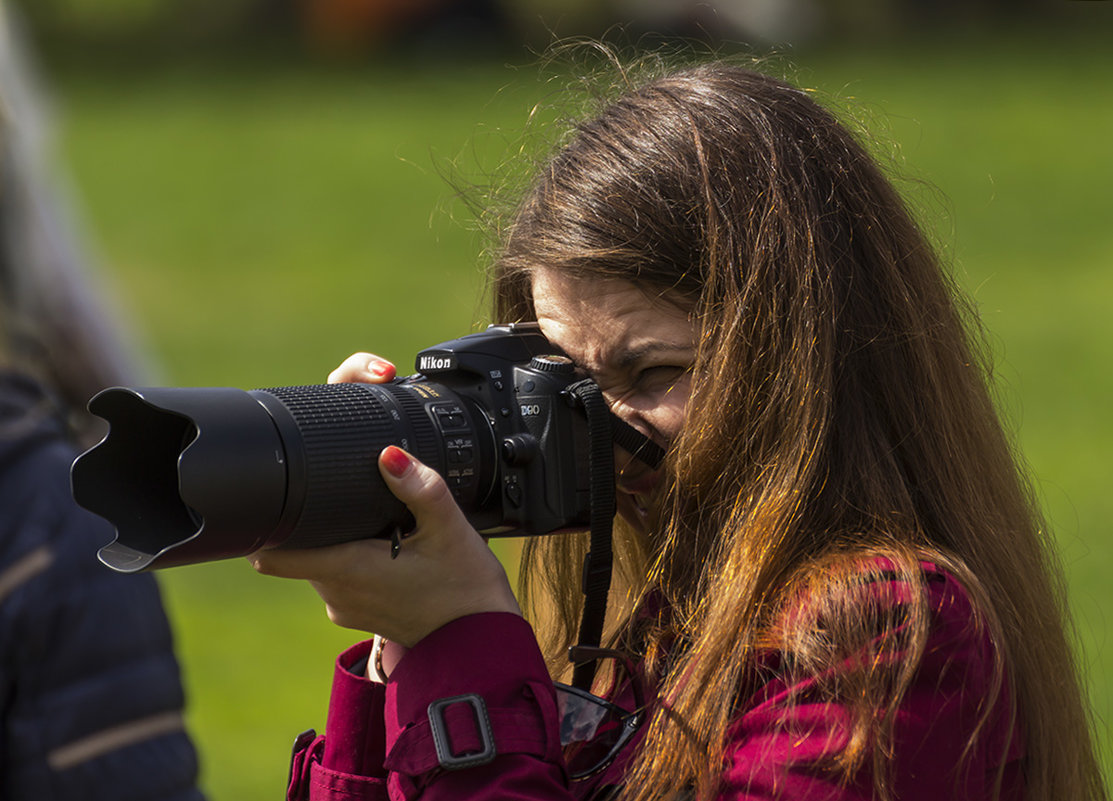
x: 380, y: 742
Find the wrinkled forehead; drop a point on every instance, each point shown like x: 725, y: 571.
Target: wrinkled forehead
x: 599, y: 294
x: 593, y: 319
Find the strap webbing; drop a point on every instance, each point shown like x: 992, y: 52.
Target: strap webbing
x: 636, y: 443
x: 597, y: 563
x: 603, y: 430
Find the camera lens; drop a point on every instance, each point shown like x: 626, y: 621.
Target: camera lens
x: 195, y: 474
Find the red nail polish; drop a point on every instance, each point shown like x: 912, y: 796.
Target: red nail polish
x: 380, y: 369
x: 395, y: 460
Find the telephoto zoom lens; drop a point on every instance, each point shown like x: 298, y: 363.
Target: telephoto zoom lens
x: 197, y: 474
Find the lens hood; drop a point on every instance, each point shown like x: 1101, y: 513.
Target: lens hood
x: 186, y: 474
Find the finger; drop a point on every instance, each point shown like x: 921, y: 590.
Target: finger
x: 421, y: 488
x: 363, y: 368
x: 317, y: 563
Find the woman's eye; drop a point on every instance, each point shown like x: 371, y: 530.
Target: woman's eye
x: 660, y: 375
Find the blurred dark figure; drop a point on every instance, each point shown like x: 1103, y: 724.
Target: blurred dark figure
x: 90, y: 693
x: 55, y: 323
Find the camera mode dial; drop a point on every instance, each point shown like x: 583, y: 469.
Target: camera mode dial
x: 560, y: 365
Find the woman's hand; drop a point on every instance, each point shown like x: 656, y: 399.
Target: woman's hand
x: 444, y: 570
x: 363, y: 368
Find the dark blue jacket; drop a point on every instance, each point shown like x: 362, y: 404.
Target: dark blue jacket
x: 90, y: 693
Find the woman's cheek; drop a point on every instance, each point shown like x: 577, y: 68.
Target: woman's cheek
x: 629, y: 510
x: 670, y: 411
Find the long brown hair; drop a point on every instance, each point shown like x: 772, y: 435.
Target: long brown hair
x: 840, y: 411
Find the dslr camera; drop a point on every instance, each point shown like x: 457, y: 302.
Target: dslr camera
x: 196, y: 474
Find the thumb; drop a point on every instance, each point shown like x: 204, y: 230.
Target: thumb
x: 421, y: 488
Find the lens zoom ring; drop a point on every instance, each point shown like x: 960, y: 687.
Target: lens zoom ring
x: 343, y: 428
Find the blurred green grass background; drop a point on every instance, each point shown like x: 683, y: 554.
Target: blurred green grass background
x: 260, y: 223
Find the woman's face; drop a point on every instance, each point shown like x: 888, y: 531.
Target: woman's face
x: 639, y: 350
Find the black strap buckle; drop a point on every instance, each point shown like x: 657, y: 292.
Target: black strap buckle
x: 447, y: 759
x: 297, y: 787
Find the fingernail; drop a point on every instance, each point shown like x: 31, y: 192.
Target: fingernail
x: 379, y: 369
x: 395, y: 460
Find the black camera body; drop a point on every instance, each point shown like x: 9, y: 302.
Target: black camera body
x: 195, y: 474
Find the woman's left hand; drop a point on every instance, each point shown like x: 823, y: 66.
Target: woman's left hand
x: 444, y: 571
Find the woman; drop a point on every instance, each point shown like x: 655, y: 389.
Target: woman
x: 91, y: 700
x: 837, y: 586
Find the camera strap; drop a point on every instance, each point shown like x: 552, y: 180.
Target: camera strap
x: 636, y: 443
x: 599, y: 558
x: 604, y: 430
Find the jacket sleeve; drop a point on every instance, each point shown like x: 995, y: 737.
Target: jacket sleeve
x: 469, y: 713
x: 781, y: 745
x: 382, y: 742
x: 346, y: 763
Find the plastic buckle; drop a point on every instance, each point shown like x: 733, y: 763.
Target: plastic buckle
x: 445, y: 757
x: 297, y: 788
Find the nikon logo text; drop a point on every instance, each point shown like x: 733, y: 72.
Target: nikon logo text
x: 428, y: 363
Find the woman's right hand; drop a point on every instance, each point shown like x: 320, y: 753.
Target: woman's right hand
x: 444, y: 570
